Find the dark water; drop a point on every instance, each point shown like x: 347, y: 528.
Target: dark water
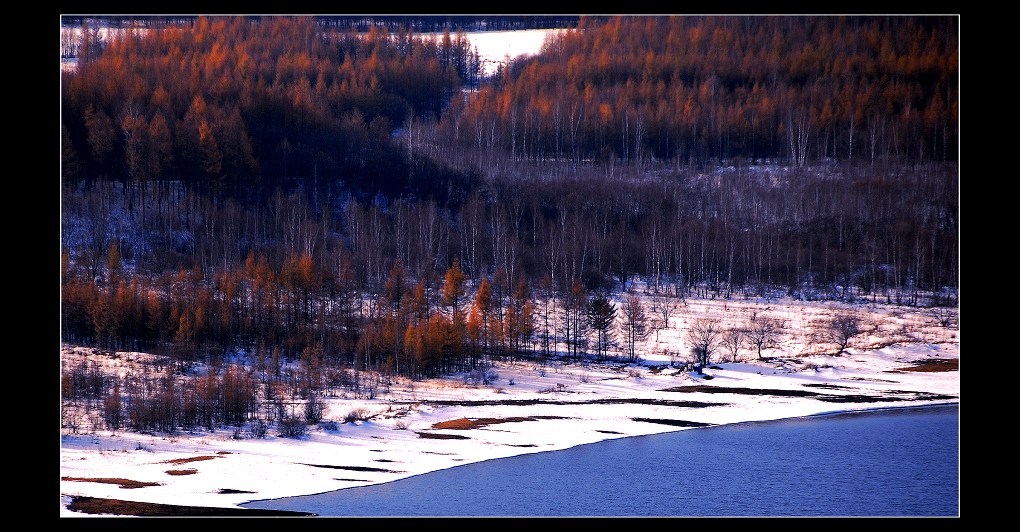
x: 896, y: 462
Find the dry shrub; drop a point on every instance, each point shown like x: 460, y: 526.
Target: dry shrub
x: 357, y: 414
x: 293, y: 427
x: 258, y: 429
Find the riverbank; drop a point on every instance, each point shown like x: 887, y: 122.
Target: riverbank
x: 418, y: 427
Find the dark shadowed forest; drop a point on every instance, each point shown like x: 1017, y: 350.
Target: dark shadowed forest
x: 351, y: 193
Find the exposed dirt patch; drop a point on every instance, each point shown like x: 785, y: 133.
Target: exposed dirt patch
x: 614, y: 401
x: 890, y: 396
x: 179, y: 461
x: 934, y: 365
x: 229, y: 491
x: 355, y: 468
x: 862, y: 399
x: 182, y: 471
x: 466, y: 424
x: 827, y: 386
x: 437, y: 436
x: 672, y: 422
x: 741, y: 391
x: 94, y: 505
x: 863, y: 379
x: 122, y: 482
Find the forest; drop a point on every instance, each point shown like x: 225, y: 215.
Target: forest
x: 354, y: 194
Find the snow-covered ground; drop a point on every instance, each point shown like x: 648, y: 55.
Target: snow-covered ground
x: 554, y: 406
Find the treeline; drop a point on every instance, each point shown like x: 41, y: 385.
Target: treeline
x: 172, y: 267
x: 393, y: 23
x: 232, y: 105
x: 242, y: 102
x: 712, y: 89
x: 455, y: 23
x: 321, y: 314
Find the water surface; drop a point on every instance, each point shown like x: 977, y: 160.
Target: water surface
x: 894, y: 462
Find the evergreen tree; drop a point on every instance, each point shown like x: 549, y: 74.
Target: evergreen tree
x: 601, y: 315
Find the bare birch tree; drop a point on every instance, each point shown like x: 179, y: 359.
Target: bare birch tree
x: 703, y: 335
x: 635, y: 324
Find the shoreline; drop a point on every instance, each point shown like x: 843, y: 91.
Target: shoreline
x: 547, y: 407
x: 242, y: 509
x: 865, y: 411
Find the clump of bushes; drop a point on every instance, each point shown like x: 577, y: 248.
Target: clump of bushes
x: 293, y: 427
x: 313, y: 409
x: 258, y: 429
x: 357, y: 414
